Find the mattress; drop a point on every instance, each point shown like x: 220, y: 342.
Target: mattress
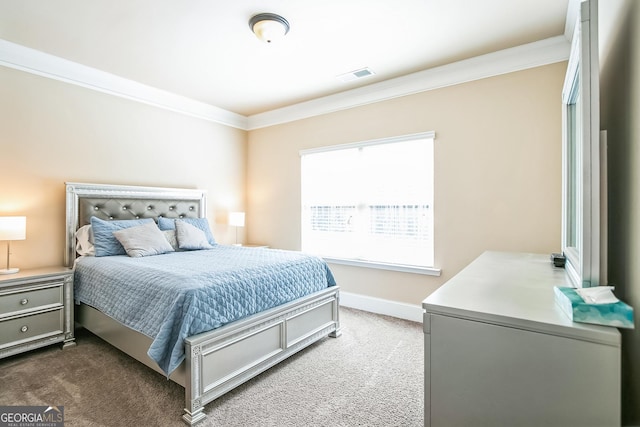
x: 172, y: 296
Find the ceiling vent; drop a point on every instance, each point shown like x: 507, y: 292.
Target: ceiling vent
x: 357, y: 74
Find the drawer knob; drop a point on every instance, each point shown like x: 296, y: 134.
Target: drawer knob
x: 25, y: 328
x: 24, y: 301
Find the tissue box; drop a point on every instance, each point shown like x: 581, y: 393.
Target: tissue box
x: 616, y: 314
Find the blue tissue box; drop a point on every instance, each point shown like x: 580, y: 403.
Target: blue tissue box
x: 616, y: 314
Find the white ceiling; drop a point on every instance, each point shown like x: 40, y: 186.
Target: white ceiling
x: 204, y: 49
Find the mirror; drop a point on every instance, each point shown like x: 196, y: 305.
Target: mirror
x: 581, y: 154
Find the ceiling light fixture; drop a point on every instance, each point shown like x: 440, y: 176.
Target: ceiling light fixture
x: 269, y: 26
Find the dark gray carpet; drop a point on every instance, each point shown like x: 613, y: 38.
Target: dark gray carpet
x: 370, y: 376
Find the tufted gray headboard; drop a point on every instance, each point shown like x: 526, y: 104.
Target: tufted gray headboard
x: 125, y: 202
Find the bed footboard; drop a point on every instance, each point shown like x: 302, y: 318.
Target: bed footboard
x: 222, y: 359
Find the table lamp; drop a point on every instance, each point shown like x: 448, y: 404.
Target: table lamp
x: 12, y: 228
x: 236, y: 219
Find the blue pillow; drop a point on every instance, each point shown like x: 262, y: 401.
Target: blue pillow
x: 201, y: 223
x: 104, y: 241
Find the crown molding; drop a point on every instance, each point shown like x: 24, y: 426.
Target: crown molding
x: 544, y: 52
x: 43, y: 64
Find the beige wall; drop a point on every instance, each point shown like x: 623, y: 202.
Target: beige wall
x: 52, y: 132
x: 497, y: 172
x: 620, y: 115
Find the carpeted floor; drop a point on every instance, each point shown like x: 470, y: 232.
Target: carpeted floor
x: 370, y: 376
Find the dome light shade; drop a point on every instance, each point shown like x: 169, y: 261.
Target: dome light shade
x: 269, y: 26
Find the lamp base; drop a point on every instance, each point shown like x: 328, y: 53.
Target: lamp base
x: 9, y: 270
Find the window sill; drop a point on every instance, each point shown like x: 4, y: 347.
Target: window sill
x: 429, y: 271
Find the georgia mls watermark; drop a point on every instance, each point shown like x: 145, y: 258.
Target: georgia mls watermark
x: 31, y: 416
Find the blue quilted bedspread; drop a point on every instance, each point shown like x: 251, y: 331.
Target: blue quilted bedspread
x: 172, y: 296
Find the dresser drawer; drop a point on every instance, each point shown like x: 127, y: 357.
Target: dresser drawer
x: 15, y: 331
x: 14, y: 303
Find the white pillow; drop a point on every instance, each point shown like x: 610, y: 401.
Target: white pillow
x: 84, y: 241
x: 143, y: 240
x: 191, y: 237
x: 170, y: 235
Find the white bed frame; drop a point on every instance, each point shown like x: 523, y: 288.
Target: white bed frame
x: 216, y: 361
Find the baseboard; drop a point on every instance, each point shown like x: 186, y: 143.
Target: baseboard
x: 381, y: 306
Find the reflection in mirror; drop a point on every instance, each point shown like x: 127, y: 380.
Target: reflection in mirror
x: 574, y: 111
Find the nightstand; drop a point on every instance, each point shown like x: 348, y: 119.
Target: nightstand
x: 36, y: 309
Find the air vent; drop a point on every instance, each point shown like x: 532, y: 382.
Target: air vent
x: 353, y: 75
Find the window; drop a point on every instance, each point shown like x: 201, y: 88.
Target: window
x: 582, y: 237
x: 370, y: 202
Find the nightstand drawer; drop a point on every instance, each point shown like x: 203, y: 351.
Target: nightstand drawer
x: 17, y: 302
x: 18, y: 330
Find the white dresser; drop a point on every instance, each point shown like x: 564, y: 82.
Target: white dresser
x: 500, y: 352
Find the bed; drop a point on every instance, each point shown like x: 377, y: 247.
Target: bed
x: 227, y: 349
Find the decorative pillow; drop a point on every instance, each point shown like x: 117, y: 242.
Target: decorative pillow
x: 84, y: 241
x: 143, y: 240
x: 170, y: 235
x: 103, y: 239
x: 191, y: 237
x: 201, y: 223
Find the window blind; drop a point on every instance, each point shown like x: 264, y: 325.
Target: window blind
x: 370, y: 201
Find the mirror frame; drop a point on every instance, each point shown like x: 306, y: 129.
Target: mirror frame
x: 581, y: 242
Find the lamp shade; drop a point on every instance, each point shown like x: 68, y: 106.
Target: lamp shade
x: 13, y: 227
x: 236, y: 219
